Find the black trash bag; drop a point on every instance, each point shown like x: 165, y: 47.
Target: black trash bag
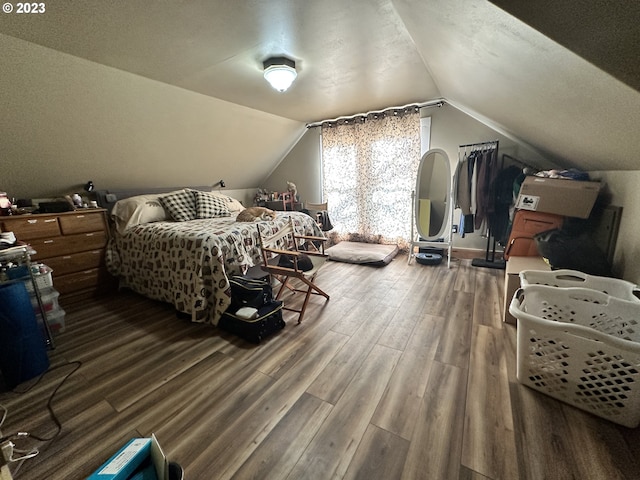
x: 573, y: 251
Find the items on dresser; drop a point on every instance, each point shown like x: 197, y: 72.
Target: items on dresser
x: 72, y: 244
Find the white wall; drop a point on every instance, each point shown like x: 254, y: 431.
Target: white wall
x: 66, y: 120
x: 624, y: 188
x: 451, y: 128
x: 302, y: 166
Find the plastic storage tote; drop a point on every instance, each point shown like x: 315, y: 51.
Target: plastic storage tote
x: 582, y: 347
x: 23, y: 353
x: 573, y: 278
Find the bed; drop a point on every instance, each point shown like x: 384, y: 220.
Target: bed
x: 169, y: 256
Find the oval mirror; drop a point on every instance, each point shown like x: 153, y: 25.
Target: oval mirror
x: 433, y: 193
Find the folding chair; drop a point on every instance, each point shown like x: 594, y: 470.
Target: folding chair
x: 319, y: 212
x: 283, y: 259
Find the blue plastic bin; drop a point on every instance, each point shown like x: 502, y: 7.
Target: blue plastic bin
x: 23, y: 350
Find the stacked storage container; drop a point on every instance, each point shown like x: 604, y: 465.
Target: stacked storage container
x: 49, y: 296
x: 580, y: 344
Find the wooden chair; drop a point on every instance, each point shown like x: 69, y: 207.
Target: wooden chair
x: 288, y: 199
x: 315, y: 209
x: 286, y: 243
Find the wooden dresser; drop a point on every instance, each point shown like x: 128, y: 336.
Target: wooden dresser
x: 72, y: 244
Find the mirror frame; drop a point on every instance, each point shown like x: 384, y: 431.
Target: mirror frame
x: 445, y: 227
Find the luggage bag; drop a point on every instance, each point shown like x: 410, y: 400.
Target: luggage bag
x: 268, y: 321
x: 249, y: 292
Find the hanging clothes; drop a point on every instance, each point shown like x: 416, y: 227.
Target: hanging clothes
x: 463, y: 197
x: 500, y: 219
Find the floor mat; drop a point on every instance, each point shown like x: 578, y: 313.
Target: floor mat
x: 362, y: 253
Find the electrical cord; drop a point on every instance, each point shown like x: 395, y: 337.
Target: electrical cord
x: 23, y: 435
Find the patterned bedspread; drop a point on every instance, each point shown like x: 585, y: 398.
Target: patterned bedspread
x: 187, y: 263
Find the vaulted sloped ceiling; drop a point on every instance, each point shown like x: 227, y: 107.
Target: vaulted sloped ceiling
x: 500, y: 70
x: 540, y: 79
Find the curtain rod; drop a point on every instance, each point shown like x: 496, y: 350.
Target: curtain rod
x: 433, y: 103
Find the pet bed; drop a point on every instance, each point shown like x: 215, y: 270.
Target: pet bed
x: 362, y: 253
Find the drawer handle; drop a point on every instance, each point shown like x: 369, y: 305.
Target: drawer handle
x: 67, y: 257
x: 90, y: 234
x: 50, y: 220
x: 32, y: 222
x: 79, y: 216
x: 48, y: 241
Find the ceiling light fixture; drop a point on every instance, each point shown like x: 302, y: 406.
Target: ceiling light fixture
x: 280, y: 72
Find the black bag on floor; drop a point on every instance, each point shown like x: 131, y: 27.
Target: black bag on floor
x: 249, y: 292
x: 267, y: 320
x: 572, y: 251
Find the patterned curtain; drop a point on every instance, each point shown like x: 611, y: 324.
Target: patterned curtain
x: 369, y: 170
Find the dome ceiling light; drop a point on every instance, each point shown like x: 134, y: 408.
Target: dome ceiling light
x: 280, y: 72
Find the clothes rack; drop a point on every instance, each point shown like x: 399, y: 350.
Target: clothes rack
x: 490, y: 260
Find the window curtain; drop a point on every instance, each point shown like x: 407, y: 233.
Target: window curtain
x: 369, y: 169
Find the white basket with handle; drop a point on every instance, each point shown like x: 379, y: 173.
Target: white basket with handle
x: 582, y: 347
x: 574, y: 278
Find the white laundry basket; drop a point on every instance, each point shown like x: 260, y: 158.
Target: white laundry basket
x: 582, y: 347
x: 573, y: 278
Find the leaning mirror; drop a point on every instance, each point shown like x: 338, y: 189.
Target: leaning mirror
x: 432, y: 201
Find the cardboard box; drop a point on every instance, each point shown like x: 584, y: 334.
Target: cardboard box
x: 122, y: 465
x: 570, y: 198
x: 515, y: 265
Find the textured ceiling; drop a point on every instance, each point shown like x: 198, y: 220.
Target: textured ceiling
x: 603, y: 32
x: 350, y: 56
x: 520, y: 77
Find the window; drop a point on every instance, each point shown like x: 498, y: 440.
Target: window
x: 369, y: 171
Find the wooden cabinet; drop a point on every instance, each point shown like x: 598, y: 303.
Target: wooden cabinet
x: 72, y: 244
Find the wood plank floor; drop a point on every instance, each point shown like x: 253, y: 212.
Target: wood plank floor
x: 408, y: 372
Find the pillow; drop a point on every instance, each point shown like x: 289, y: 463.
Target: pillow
x: 234, y: 205
x: 133, y: 211
x: 181, y: 205
x: 210, y: 206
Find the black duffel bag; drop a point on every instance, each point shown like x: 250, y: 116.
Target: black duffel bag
x: 249, y: 292
x: 572, y: 251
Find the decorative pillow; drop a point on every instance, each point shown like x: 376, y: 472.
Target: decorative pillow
x: 210, y: 206
x: 132, y: 211
x: 181, y: 205
x: 234, y: 205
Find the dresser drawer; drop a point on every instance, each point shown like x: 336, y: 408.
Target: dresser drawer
x: 77, y: 281
x: 76, y: 262
x: 27, y: 227
x: 82, y: 222
x: 60, y: 246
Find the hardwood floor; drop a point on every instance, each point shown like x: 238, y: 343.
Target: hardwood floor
x: 406, y: 373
